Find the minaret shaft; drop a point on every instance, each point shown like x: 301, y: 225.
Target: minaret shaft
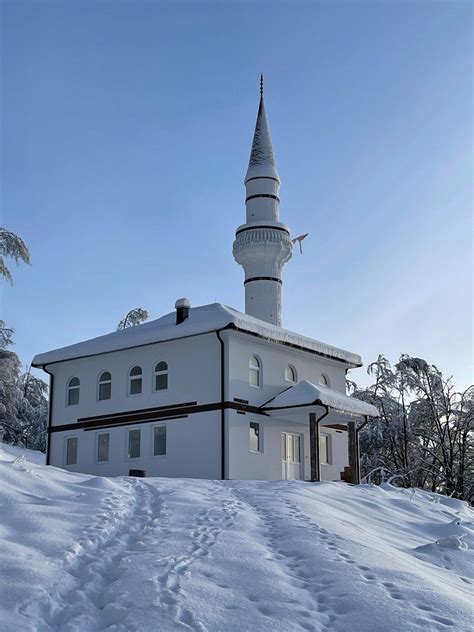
x: 262, y: 245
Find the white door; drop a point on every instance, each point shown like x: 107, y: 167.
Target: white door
x: 290, y: 456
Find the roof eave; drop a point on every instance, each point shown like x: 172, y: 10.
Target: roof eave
x: 318, y: 402
x: 230, y: 326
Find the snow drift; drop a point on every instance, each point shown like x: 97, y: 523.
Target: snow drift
x: 81, y: 553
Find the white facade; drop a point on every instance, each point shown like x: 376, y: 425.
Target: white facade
x: 184, y: 395
x: 193, y: 438
x: 187, y: 382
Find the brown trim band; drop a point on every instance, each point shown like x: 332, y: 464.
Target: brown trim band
x: 317, y: 402
x: 340, y: 427
x: 140, y: 411
x: 129, y: 423
x: 147, y: 415
x: 262, y: 195
x: 262, y: 178
x: 263, y: 278
x: 280, y: 228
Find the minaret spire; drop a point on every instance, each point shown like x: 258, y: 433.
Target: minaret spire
x: 263, y: 244
x: 262, y: 158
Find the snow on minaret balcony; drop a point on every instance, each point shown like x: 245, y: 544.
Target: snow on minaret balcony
x: 263, y: 244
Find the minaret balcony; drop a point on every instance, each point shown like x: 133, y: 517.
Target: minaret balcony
x: 262, y: 250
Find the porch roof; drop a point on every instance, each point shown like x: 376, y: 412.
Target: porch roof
x: 305, y: 395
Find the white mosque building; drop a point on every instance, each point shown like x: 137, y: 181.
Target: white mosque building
x: 208, y: 391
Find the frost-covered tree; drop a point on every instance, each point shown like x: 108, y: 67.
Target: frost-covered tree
x: 134, y: 317
x: 6, y: 335
x: 23, y: 402
x: 13, y: 247
x: 424, y: 435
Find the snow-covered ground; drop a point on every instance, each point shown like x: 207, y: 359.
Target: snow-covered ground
x: 81, y: 553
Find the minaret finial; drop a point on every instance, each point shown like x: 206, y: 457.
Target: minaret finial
x: 261, y: 86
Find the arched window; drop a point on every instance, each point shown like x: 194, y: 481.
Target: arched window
x: 290, y: 373
x: 73, y: 390
x: 105, y: 385
x: 324, y: 380
x: 135, y: 381
x: 161, y: 376
x: 255, y: 372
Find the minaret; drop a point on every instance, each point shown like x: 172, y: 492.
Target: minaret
x: 262, y: 245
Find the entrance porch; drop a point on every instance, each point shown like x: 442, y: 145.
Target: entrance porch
x: 312, y: 404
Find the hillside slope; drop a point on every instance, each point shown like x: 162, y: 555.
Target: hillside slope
x: 81, y: 553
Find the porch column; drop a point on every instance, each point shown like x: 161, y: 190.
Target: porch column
x: 314, y: 448
x: 314, y: 422
x: 358, y: 429
x: 353, y: 452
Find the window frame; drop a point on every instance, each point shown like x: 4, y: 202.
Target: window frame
x: 69, y: 388
x: 131, y: 378
x: 103, y: 383
x: 260, y: 446
x: 161, y: 372
x: 97, y: 446
x: 326, y: 381
x: 127, y: 443
x: 256, y: 369
x: 154, y: 427
x: 291, y: 367
x: 68, y: 438
x: 327, y: 437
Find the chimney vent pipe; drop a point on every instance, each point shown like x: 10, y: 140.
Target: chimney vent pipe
x: 182, y: 306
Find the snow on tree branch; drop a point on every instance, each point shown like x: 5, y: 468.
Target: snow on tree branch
x: 134, y: 317
x: 13, y: 247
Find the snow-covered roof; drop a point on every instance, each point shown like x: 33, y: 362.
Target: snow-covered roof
x: 262, y: 159
x: 201, y: 320
x: 306, y: 393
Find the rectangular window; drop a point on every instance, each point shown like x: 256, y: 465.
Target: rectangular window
x: 297, y: 442
x: 294, y: 448
x: 135, y: 386
x: 324, y: 456
x: 161, y: 381
x: 133, y: 444
x: 73, y: 396
x: 254, y: 377
x: 159, y: 441
x: 105, y: 390
x: 71, y: 451
x: 255, y: 437
x: 291, y: 449
x: 103, y: 447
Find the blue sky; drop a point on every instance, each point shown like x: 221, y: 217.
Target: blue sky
x: 126, y: 131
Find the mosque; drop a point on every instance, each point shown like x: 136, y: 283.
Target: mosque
x: 208, y: 391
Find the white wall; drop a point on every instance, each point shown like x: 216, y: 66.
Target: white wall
x: 192, y: 449
x: 267, y: 466
x: 194, y: 375
x: 244, y: 464
x: 193, y: 444
x: 338, y: 454
x: 275, y: 358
